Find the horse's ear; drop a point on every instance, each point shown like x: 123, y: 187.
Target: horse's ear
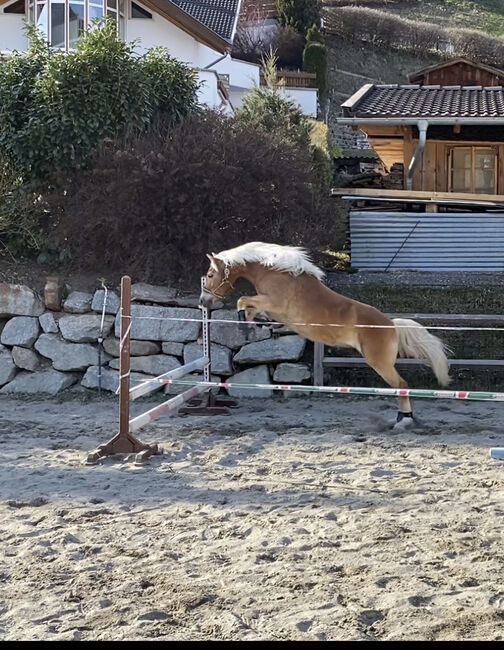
x: 213, y: 262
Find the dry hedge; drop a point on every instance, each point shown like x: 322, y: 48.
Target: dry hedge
x: 154, y: 205
x: 385, y: 30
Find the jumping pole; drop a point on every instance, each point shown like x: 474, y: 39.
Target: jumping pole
x: 209, y: 404
x: 124, y: 442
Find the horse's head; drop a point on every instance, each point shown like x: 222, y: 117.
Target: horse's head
x: 218, y: 282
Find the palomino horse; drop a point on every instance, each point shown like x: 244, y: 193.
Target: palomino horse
x: 290, y: 291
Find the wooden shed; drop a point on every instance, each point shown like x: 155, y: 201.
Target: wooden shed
x: 449, y: 138
x: 447, y: 130
x: 458, y: 72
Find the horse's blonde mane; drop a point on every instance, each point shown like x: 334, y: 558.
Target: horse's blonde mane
x: 292, y: 259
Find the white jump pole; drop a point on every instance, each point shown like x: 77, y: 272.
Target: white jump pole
x: 166, y: 407
x: 152, y: 384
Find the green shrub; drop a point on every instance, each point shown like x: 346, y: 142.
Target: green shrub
x: 269, y: 111
x: 324, y: 152
x: 55, y: 108
x: 20, y: 213
x: 313, y: 35
x: 315, y: 60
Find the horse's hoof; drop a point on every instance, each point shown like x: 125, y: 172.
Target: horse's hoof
x: 403, y: 422
x: 262, y: 322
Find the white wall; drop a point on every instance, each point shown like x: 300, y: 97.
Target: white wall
x: 305, y: 98
x: 241, y: 73
x: 157, y: 32
x: 12, y: 36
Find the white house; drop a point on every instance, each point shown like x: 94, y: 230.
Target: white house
x: 198, y: 32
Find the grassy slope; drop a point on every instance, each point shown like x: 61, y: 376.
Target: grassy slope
x: 485, y: 15
x: 383, y: 66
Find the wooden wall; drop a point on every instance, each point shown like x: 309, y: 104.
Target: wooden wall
x: 397, y: 144
x: 459, y: 74
x: 432, y: 175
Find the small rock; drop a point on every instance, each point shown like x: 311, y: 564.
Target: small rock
x: 186, y: 301
x: 151, y: 293
x: 8, y: 368
x: 19, y: 300
x: 25, y: 358
x: 85, y: 328
x: 173, y: 348
x: 162, y: 324
x: 20, y: 330
x: 257, y: 375
x: 68, y: 356
x: 48, y: 324
x: 53, y: 293
x: 113, y: 302
x: 137, y: 348
x: 78, y: 302
x: 43, y: 381
x: 285, y: 348
x: 231, y: 335
x: 221, y: 357
x: 155, y: 364
x: 110, y: 379
x: 291, y: 373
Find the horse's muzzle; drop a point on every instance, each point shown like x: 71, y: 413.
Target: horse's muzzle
x: 206, y: 299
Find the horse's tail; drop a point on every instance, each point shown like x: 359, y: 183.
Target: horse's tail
x: 416, y: 342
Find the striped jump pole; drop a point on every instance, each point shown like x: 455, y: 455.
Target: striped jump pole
x: 166, y: 407
x: 352, y: 390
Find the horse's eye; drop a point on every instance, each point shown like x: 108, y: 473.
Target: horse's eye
x: 209, y: 275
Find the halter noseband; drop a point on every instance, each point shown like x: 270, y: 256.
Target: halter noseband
x: 225, y: 281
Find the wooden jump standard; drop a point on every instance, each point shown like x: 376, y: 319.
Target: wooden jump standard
x: 124, y: 442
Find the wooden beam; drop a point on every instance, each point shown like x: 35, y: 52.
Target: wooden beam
x: 409, y: 196
x: 384, y: 129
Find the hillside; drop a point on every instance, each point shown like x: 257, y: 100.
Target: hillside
x: 364, y: 49
x: 484, y: 15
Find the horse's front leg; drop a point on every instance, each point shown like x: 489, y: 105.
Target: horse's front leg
x: 249, y: 306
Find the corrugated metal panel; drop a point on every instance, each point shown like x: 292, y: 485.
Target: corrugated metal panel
x: 427, y: 241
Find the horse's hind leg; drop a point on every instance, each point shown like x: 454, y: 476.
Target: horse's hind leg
x: 382, y: 361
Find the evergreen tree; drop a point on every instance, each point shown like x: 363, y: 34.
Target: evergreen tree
x: 299, y: 14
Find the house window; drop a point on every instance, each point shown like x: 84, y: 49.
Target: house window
x: 17, y: 7
x: 473, y: 169
x: 63, y: 21
x: 139, y: 12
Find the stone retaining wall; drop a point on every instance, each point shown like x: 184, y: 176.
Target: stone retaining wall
x: 44, y: 351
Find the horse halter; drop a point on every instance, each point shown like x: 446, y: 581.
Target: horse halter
x: 225, y: 281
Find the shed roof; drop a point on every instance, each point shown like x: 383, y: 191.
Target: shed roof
x: 389, y: 101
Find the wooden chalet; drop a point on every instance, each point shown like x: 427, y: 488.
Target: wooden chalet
x: 447, y: 131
